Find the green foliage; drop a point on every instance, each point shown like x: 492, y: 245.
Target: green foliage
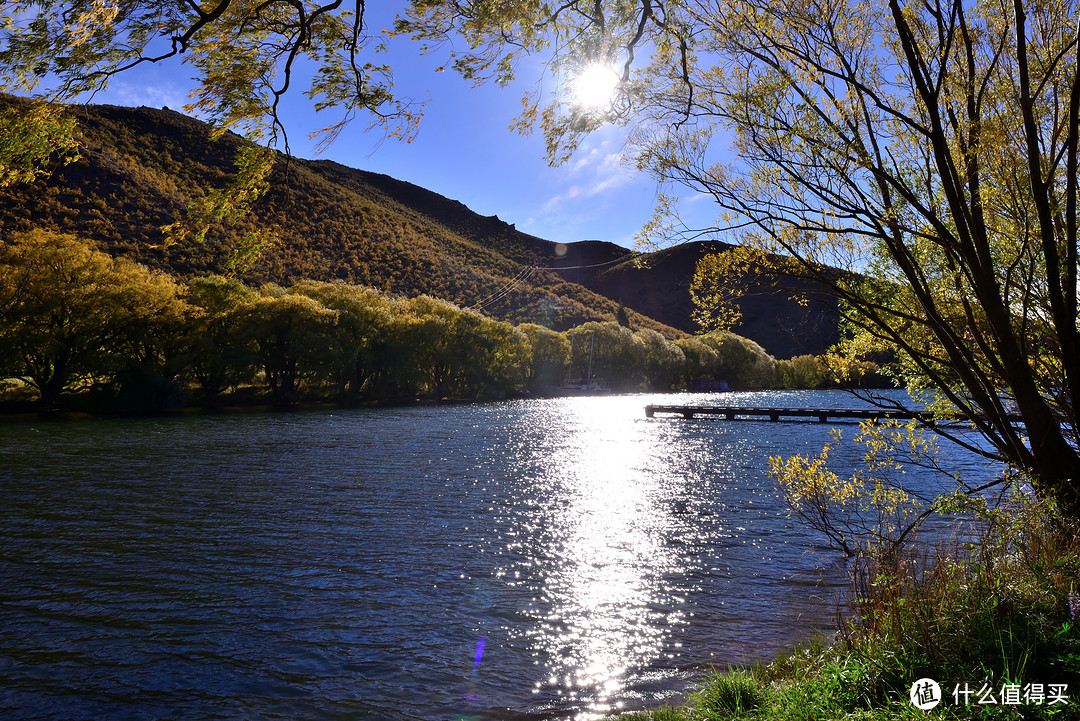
x: 217, y: 352
x: 293, y: 340
x: 720, y: 279
x: 243, y: 57
x: 365, y: 326
x: 1000, y: 609
x: 74, y: 316
x: 870, y: 513
x: 995, y: 605
x: 461, y: 353
x: 70, y: 314
x: 740, y: 361
x: 731, y: 694
x: 614, y: 353
x: 663, y: 362
x: 229, y: 206
x: 701, y: 359
x: 800, y: 372
x: 550, y: 355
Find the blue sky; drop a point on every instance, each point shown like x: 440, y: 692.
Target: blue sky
x: 464, y: 150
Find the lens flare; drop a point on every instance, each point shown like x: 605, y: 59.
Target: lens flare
x: 479, y: 656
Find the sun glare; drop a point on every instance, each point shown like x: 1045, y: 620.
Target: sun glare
x: 595, y: 85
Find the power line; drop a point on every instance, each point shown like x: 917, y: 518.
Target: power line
x: 506, y: 289
x: 594, y: 265
x: 528, y: 270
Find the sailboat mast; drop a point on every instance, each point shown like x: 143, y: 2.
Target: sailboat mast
x: 592, y: 345
x: 570, y: 365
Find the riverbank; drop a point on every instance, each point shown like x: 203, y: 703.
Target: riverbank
x: 78, y: 407
x: 984, y: 630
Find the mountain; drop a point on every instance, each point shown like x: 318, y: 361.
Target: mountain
x: 141, y: 168
x: 658, y: 285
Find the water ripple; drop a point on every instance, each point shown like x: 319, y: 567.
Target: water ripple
x: 525, y: 560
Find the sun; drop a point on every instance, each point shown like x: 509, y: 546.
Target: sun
x: 595, y: 85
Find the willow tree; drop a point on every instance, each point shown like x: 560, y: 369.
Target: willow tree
x: 931, y: 148
x: 245, y: 57
x: 71, y: 315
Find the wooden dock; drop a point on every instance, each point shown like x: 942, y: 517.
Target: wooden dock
x: 775, y: 414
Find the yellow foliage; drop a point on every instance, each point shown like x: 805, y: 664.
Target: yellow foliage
x: 90, y: 22
x: 870, y: 507
x: 720, y: 279
x: 808, y: 482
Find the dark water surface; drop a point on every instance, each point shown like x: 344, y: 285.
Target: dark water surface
x: 521, y: 560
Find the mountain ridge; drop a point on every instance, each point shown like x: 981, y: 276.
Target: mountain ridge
x: 142, y: 167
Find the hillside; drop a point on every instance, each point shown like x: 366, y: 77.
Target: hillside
x: 140, y: 168
x: 658, y: 285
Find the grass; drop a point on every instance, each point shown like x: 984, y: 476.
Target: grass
x: 1003, y: 611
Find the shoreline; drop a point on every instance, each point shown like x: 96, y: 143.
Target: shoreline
x: 22, y: 411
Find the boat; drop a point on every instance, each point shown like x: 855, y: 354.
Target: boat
x: 581, y: 387
x: 586, y: 386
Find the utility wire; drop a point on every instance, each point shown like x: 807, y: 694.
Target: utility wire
x: 594, y: 265
x: 506, y: 289
x: 528, y: 270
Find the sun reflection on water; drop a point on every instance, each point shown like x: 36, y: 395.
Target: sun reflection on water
x: 603, y: 609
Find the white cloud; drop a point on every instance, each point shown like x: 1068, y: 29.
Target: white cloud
x: 134, y: 95
x: 596, y: 173
x: 596, y: 195
x: 586, y: 160
x: 609, y: 176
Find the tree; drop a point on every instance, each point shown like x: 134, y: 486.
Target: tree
x: 216, y: 351
x: 151, y: 353
x: 802, y: 371
x: 663, y: 361
x: 293, y: 336
x: 461, y: 353
x: 502, y: 364
x: 246, y: 56
x: 364, y: 325
x: 431, y: 344
x: 931, y: 149
x: 612, y: 352
x: 30, y: 138
x: 741, y: 361
x: 549, y: 356
x: 70, y: 313
x: 701, y: 360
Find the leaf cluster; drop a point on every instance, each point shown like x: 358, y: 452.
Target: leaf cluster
x: 245, y: 56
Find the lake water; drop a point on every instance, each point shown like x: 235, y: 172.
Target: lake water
x: 538, y: 559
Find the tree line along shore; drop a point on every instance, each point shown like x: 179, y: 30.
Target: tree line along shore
x: 81, y: 328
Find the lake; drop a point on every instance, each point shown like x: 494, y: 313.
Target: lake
x: 537, y: 559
